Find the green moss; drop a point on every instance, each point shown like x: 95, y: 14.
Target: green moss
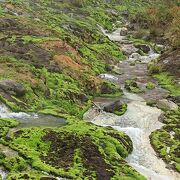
x: 153, y: 67
x: 15, y: 164
x: 123, y: 110
x: 32, y: 175
x: 35, y: 143
x: 150, y: 85
x: 132, y: 86
x: 110, y: 89
x: 8, y: 122
x: 168, y: 137
x: 167, y: 82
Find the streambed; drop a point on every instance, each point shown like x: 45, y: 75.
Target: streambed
x: 140, y: 119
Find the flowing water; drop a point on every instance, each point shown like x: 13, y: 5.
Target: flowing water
x: 31, y: 119
x: 140, y: 119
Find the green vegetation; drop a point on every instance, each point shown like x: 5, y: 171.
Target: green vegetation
x: 154, y: 67
x: 166, y: 141
x: 84, y: 142
x: 167, y: 82
x: 132, y: 86
x: 33, y: 175
x: 160, y: 18
x: 150, y: 85
x: 123, y: 110
x: 5, y: 124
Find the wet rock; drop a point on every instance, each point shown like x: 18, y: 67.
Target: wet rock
x: 114, y: 106
x: 128, y: 49
x: 135, y: 56
x: 12, y: 87
x: 124, y: 31
x: 145, y: 48
x: 166, y: 104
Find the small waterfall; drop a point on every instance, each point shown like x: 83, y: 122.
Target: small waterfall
x: 5, y: 112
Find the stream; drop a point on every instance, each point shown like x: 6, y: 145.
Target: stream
x: 140, y: 119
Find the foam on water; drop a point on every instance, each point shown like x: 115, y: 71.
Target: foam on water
x: 5, y: 112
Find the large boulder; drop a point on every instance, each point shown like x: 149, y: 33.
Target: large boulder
x: 166, y: 104
x: 12, y: 87
x: 114, y: 106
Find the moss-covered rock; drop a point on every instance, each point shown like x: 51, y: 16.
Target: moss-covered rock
x: 166, y: 141
x: 77, y: 150
x: 132, y: 86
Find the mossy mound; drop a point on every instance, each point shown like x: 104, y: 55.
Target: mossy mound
x: 150, y: 85
x: 166, y: 140
x: 5, y: 124
x: 132, y: 86
x: 78, y: 150
x: 29, y: 175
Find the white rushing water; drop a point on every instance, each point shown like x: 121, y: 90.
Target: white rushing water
x: 138, y: 122
x: 5, y: 112
x: 114, y: 36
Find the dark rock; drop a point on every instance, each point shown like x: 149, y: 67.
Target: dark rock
x: 12, y: 87
x: 130, y: 84
x: 175, y: 99
x: 133, y: 26
x: 47, y: 93
x: 53, y: 68
x: 114, y: 106
x: 125, y: 13
x: 145, y: 48
x: 83, y: 98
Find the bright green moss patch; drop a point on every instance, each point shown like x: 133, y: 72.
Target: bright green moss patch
x: 122, y: 111
x: 166, y: 141
x: 150, y: 85
x: 167, y: 82
x: 15, y: 164
x: 132, y: 86
x: 8, y: 122
x: 31, y: 175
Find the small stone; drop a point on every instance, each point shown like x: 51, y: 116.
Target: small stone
x: 124, y: 31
